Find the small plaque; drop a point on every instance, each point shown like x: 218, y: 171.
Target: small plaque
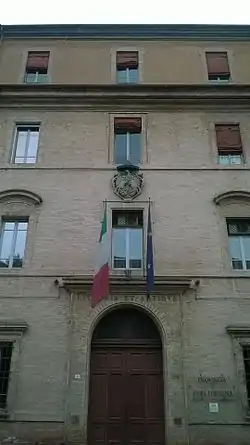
x: 213, y: 407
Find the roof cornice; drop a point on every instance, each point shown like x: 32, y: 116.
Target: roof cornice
x: 128, y: 32
x: 113, y: 96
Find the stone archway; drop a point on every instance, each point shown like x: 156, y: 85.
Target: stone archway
x: 126, y: 395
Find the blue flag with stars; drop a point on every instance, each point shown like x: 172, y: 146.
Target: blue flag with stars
x: 150, y: 255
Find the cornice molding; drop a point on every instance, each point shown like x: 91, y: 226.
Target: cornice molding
x: 130, y: 286
x: 128, y: 32
x: 238, y: 330
x: 16, y: 327
x: 26, y: 195
x: 113, y: 96
x: 232, y: 194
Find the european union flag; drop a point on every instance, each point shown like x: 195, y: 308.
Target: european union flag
x: 150, y: 255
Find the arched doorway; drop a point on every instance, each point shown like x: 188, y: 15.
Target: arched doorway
x: 126, y: 394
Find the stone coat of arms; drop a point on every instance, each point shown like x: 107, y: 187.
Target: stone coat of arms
x: 127, y: 184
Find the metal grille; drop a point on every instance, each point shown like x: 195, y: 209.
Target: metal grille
x: 238, y: 227
x: 246, y: 357
x: 5, y: 360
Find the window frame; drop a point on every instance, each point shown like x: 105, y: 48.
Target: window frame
x: 111, y: 136
x: 5, y: 344
x: 128, y: 229
x: 217, y: 77
x: 16, y: 221
x: 240, y: 337
x: 18, y: 128
x: 240, y: 237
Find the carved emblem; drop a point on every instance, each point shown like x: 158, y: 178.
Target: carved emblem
x: 127, y: 184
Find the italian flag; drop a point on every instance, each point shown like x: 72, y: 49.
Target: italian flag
x: 100, y: 287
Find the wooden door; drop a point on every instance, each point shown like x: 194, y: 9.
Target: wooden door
x: 126, y: 396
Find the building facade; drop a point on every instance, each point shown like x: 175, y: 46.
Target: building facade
x: 172, y: 105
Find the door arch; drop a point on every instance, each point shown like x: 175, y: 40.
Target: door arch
x: 126, y: 394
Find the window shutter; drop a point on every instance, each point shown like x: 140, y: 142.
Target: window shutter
x: 37, y: 60
x: 217, y: 63
x: 228, y: 139
x: 127, y: 124
x: 126, y: 59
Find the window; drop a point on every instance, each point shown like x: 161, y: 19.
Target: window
x: 26, y: 144
x: 127, y: 239
x: 127, y: 67
x: 5, y: 360
x: 217, y: 66
x: 127, y: 140
x: 229, y: 144
x: 37, y: 67
x: 246, y: 358
x: 13, y: 241
x: 239, y: 242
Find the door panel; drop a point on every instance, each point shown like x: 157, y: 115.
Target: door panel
x: 126, y: 396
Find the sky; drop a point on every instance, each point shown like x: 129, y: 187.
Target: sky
x: 129, y: 11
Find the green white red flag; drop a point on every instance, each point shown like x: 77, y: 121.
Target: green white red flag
x: 100, y: 288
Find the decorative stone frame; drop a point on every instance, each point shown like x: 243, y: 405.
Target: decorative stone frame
x: 12, y: 331
x: 24, y: 61
x: 240, y: 335
x: 15, y: 203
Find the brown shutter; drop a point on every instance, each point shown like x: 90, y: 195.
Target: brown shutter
x: 126, y: 59
x: 130, y: 124
x: 37, y: 60
x: 228, y: 138
x: 217, y: 63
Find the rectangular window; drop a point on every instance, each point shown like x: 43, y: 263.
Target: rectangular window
x: 5, y: 360
x: 229, y: 144
x: 127, y: 140
x: 37, y: 67
x: 13, y: 242
x: 246, y: 358
x: 239, y: 242
x: 26, y: 144
x: 217, y: 66
x: 127, y: 239
x: 127, y: 63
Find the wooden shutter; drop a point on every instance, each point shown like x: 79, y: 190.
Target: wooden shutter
x: 228, y: 138
x: 127, y: 124
x: 217, y: 63
x: 126, y: 59
x: 37, y: 60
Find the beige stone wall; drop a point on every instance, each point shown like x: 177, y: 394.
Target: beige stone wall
x: 80, y: 62
x: 73, y: 177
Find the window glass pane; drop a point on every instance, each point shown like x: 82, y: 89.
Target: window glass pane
x: 235, y: 252
x: 22, y: 226
x: 135, y: 248
x: 21, y: 143
x: 120, y: 148
x: 33, y: 144
x: 30, y: 161
x: 30, y: 78
x: 133, y: 75
x: 246, y: 249
x: 224, y: 160
x: 19, y: 248
x: 135, y: 148
x: 236, y: 159
x: 7, y: 242
x: 8, y: 225
x: 121, y: 76
x: 119, y: 248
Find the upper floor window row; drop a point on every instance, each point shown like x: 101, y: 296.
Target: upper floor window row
x: 127, y: 67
